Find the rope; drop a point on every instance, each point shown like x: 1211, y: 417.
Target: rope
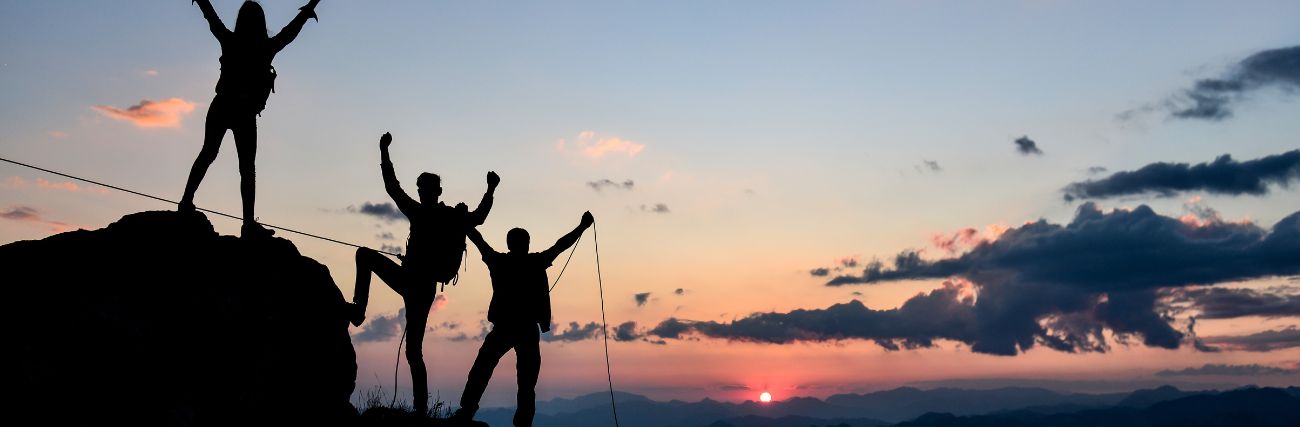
x: 566, y: 263
x: 397, y: 364
x: 595, y: 238
x: 196, y: 208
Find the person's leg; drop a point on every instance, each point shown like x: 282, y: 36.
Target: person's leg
x: 214, y: 129
x: 528, y: 365
x: 245, y: 130
x: 369, y: 261
x: 417, y: 315
x: 495, y: 345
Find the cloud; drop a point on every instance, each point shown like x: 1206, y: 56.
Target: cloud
x: 1093, y: 170
x: 944, y: 313
x: 1063, y: 285
x: 641, y: 298
x: 1222, y: 176
x: 387, y: 235
x: 1212, y: 99
x: 1263, y: 341
x: 165, y: 113
x: 392, y: 249
x: 928, y: 166
x: 30, y: 214
x: 151, y: 73
x: 386, y: 211
x: 381, y: 328
x: 1026, y: 146
x: 594, y: 146
x: 1215, y: 369
x: 42, y: 183
x: 658, y: 208
x: 57, y: 134
x: 608, y: 183
x: 820, y: 272
x: 575, y: 332
x: 626, y: 331
x: 733, y: 387
x: 680, y: 291
x: 1231, y: 303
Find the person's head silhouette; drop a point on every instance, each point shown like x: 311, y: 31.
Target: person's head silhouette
x: 430, y: 187
x: 517, y: 240
x: 251, y: 22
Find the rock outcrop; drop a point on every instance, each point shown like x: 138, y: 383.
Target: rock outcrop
x: 158, y: 320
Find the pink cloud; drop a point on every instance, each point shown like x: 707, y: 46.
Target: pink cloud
x: 165, y: 113
x: 57, y: 134
x: 151, y: 73
x: 42, y: 183
x: 29, y: 214
x: 594, y: 146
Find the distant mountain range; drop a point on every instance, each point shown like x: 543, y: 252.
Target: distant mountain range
x: 912, y: 407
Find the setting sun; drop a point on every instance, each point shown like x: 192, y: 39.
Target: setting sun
x: 765, y: 397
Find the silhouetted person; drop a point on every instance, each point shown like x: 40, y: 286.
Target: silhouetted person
x: 247, y: 80
x: 521, y: 303
x: 433, y: 255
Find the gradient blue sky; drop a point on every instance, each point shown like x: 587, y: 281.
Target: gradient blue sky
x: 781, y: 136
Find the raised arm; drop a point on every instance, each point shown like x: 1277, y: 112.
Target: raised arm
x: 569, y: 239
x: 214, y: 22
x: 481, y: 212
x: 290, y: 32
x: 404, y: 202
x: 484, y: 249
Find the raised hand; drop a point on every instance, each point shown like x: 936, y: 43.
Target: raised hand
x: 386, y: 140
x: 587, y: 219
x: 492, y: 179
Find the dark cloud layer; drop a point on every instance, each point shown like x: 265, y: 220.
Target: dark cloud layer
x: 1060, y: 286
x: 1212, y: 99
x: 1222, y: 176
x: 386, y: 211
x: 1230, y: 303
x: 1214, y: 369
x: 575, y: 332
x: 1027, y: 146
x: 1263, y: 341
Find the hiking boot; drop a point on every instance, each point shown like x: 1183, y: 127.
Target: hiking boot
x: 462, y: 417
x: 356, y: 313
x: 253, y: 230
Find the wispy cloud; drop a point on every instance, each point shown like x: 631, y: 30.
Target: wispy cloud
x: 1213, y: 99
x: 1224, y: 175
x: 386, y: 211
x: 607, y: 183
x: 166, y: 113
x: 657, y: 208
x: 1215, y: 369
x: 30, y: 214
x: 595, y: 146
x: 575, y: 332
x: 1262, y: 341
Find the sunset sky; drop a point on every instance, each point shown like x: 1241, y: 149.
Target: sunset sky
x: 738, y: 156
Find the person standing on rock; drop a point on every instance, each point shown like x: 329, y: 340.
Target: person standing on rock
x: 247, y: 80
x: 433, y: 255
x: 521, y: 304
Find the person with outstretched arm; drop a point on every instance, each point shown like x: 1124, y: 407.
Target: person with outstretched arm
x: 247, y: 80
x: 433, y: 255
x: 520, y: 307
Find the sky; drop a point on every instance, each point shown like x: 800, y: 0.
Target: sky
x: 1037, y: 164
